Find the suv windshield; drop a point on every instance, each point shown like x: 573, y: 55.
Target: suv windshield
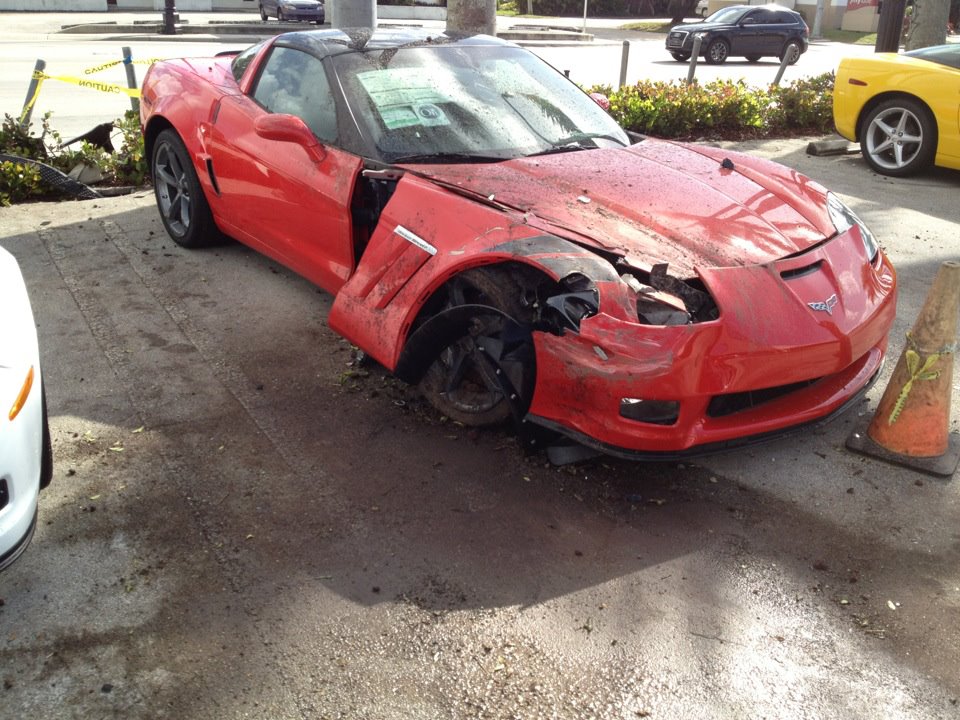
x: 468, y: 102
x: 729, y: 15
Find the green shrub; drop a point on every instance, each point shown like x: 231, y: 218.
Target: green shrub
x: 20, y: 181
x: 723, y: 108
x: 805, y: 105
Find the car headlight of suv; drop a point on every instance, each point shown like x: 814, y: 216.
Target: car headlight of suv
x: 844, y: 218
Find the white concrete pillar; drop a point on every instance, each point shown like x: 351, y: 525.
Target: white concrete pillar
x: 472, y: 16
x: 352, y: 13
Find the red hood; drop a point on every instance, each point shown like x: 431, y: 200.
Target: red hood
x: 659, y: 202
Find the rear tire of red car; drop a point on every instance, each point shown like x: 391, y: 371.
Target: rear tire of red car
x: 898, y: 137
x: 791, y: 50
x: 463, y: 381
x: 717, y: 52
x: 180, y: 199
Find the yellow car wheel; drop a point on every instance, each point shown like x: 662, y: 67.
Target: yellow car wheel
x: 898, y: 137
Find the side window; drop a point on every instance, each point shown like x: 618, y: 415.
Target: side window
x: 241, y: 61
x: 786, y: 19
x: 764, y: 17
x: 294, y: 82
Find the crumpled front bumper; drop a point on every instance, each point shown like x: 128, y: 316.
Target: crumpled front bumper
x: 796, y: 341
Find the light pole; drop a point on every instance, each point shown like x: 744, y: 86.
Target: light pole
x: 170, y: 18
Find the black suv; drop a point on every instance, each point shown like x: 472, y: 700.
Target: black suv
x: 750, y: 31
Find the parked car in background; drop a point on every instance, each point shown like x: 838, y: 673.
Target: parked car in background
x: 903, y: 109
x: 488, y: 232
x: 702, y: 6
x: 26, y: 459
x: 307, y: 10
x: 746, y: 31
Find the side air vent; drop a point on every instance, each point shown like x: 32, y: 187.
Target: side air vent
x: 800, y: 272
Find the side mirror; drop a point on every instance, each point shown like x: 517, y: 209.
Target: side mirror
x: 749, y: 21
x: 289, y: 128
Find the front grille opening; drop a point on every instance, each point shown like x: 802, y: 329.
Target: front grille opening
x: 724, y: 405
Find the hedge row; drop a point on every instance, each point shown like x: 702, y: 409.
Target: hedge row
x: 596, y: 8
x: 723, y: 108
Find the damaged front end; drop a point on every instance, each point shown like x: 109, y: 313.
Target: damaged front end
x: 498, y: 321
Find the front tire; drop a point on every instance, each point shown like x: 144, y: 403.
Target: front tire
x: 263, y: 14
x: 465, y: 381
x: 898, y: 137
x: 717, y: 52
x: 180, y: 199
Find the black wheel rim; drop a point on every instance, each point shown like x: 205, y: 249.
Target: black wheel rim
x: 466, y: 372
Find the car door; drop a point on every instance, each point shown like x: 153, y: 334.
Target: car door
x: 748, y: 38
x: 287, y: 199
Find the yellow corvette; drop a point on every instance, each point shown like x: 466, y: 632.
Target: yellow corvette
x: 904, y: 109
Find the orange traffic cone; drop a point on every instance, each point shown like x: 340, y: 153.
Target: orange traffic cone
x: 911, y: 424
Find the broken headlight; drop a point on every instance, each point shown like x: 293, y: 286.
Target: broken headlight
x: 655, y: 307
x: 844, y: 218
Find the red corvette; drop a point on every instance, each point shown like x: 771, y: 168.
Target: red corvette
x: 490, y: 233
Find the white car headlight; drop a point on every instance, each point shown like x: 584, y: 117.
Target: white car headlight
x: 844, y: 218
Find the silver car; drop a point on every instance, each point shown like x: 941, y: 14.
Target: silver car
x: 307, y: 10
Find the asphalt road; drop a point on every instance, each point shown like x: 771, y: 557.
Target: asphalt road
x: 245, y: 523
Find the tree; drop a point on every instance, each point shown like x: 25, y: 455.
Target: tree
x: 472, y: 16
x: 928, y: 25
x: 680, y: 9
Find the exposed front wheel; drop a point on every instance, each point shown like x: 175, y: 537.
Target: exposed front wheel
x: 717, y: 52
x: 180, y: 199
x: 899, y: 137
x: 485, y: 369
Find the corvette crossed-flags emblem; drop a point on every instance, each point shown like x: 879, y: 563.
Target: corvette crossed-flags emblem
x: 826, y: 306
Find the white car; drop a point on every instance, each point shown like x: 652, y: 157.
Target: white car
x: 26, y: 459
x: 702, y: 8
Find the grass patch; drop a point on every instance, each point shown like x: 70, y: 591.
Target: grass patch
x: 850, y: 37
x: 649, y: 26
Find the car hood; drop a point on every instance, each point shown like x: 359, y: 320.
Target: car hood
x: 657, y: 202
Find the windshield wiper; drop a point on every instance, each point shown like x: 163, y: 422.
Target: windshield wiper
x: 575, y: 142
x: 447, y: 157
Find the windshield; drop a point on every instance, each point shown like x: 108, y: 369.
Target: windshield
x: 948, y: 55
x: 729, y: 15
x: 468, y: 103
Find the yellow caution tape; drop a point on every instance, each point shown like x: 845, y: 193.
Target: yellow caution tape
x: 114, y: 63
x: 28, y: 106
x: 92, y: 84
